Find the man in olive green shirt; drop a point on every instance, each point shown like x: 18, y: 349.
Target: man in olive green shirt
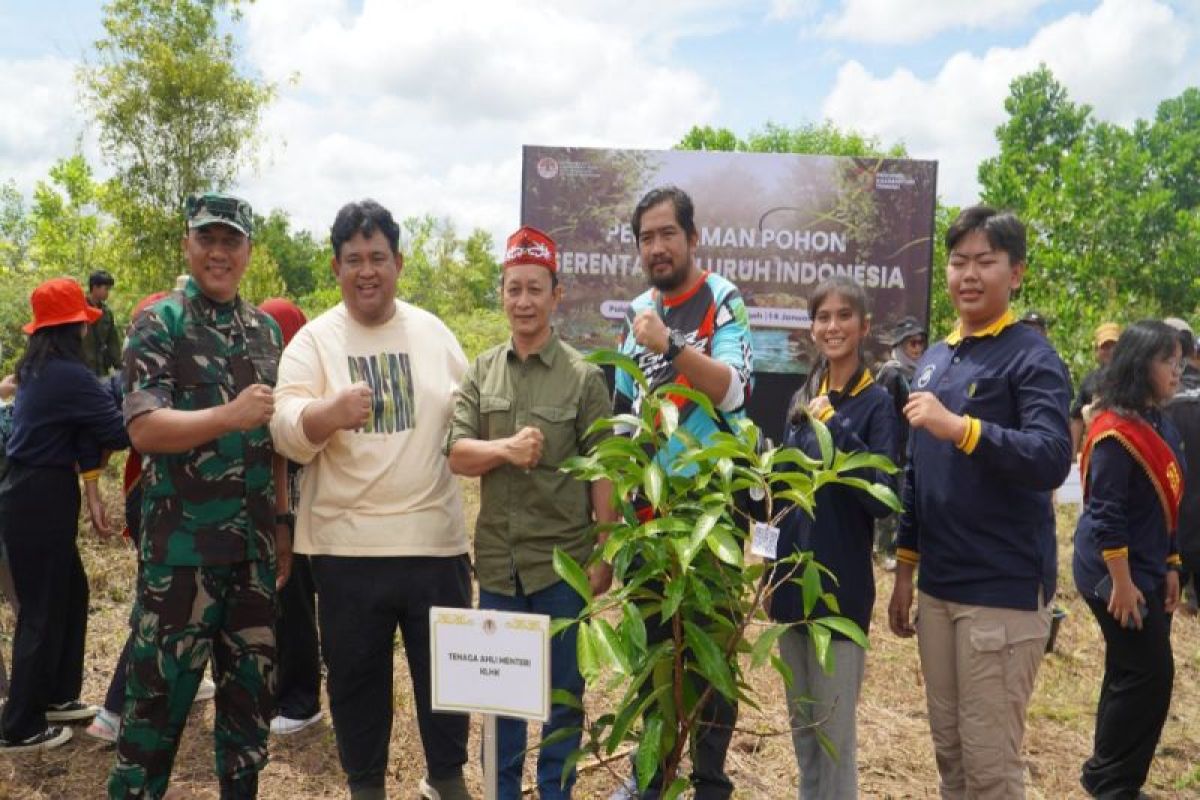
x: 524, y: 408
x: 101, y: 339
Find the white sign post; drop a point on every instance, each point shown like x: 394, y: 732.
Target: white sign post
x: 494, y: 663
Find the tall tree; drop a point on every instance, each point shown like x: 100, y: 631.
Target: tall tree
x: 824, y: 139
x: 1111, y: 210
x: 175, y: 115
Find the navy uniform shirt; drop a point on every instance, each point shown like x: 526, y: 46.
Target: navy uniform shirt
x: 977, y: 513
x: 841, y: 533
x: 1123, y: 516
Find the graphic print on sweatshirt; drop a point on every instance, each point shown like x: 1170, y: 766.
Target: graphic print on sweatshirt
x: 390, y: 379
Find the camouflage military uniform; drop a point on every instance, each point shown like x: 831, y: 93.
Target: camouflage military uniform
x: 207, y: 582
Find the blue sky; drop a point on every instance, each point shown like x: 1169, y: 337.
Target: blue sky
x: 425, y: 104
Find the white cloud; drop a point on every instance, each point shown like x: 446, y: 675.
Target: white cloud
x: 1122, y: 58
x: 41, y: 122
x: 425, y: 105
x: 891, y: 22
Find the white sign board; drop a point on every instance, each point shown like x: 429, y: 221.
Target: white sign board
x: 491, y: 662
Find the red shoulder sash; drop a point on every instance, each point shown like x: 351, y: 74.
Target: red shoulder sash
x: 1148, y: 449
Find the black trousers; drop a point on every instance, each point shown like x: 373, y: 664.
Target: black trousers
x: 363, y: 600
x: 298, y: 657
x: 39, y: 513
x: 1139, y: 669
x: 711, y: 743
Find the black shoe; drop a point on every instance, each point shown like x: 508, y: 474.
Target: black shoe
x: 70, y: 711
x: 52, y: 737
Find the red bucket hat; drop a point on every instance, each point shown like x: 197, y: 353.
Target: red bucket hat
x: 530, y: 246
x: 59, y: 301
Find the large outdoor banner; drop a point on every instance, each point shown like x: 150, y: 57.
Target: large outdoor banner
x: 776, y: 225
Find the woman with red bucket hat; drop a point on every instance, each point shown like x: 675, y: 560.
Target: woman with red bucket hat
x: 59, y: 406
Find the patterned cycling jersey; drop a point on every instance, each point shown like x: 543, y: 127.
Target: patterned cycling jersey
x: 713, y: 317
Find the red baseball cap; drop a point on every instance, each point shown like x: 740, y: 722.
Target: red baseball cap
x: 530, y: 246
x: 59, y: 301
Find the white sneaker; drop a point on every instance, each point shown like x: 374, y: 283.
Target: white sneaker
x: 70, y: 711
x: 207, y: 690
x: 106, y: 726
x: 52, y: 737
x: 285, y: 726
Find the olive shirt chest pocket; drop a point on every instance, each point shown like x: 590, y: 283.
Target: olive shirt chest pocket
x: 557, y: 424
x: 496, y: 416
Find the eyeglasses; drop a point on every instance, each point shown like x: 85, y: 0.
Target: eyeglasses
x: 1176, y: 364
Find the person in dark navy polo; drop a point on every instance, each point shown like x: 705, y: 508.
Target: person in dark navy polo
x: 1126, y: 554
x: 861, y: 417
x: 989, y: 443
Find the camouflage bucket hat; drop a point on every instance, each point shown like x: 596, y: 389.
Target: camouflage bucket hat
x: 216, y: 208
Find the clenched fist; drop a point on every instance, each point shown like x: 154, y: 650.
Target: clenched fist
x: 651, y: 332
x: 252, y: 408
x: 524, y: 448
x: 352, y: 406
x: 924, y: 410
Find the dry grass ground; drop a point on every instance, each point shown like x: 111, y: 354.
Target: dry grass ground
x: 895, y: 755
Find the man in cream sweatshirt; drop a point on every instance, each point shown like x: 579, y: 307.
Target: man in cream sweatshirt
x: 364, y: 399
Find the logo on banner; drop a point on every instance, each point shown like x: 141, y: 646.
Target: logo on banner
x: 926, y: 374
x: 547, y: 167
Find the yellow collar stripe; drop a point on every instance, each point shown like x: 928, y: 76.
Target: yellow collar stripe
x: 1007, y: 319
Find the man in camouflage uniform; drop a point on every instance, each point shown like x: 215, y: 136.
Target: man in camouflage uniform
x: 199, y: 367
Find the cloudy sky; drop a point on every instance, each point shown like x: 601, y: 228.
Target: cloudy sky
x: 424, y: 104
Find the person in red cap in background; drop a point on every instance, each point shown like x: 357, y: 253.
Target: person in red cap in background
x: 297, y: 648
x: 59, y: 403
x: 525, y: 406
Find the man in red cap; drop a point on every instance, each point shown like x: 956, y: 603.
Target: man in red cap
x: 525, y: 406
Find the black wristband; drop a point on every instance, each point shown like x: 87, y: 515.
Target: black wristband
x: 286, y: 518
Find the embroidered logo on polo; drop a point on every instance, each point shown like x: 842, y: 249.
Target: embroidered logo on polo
x: 390, y: 378
x: 925, y: 376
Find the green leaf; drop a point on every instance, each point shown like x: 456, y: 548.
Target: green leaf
x: 677, y: 788
x: 631, y: 712
x: 621, y: 361
x: 585, y: 653
x: 846, y: 627
x: 697, y: 397
x: 877, y: 490
x: 794, y: 455
x: 654, y: 483
x: 824, y: 441
x: 570, y: 571
x: 709, y: 659
x: 826, y: 744
x: 633, y: 627
x: 609, y: 644
x: 848, y: 462
x: 646, y: 760
x: 784, y: 670
x: 668, y: 417
x: 564, y: 698
x: 673, y: 596
x: 764, y: 644
x: 810, y: 585
x: 724, y: 546
x: 700, y: 531
x: 821, y: 638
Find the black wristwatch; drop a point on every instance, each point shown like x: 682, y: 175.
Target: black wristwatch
x: 676, y: 341
x: 286, y: 518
